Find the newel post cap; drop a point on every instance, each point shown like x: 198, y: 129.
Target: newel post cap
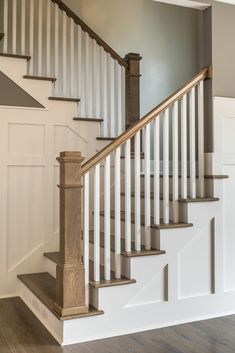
x: 70, y: 157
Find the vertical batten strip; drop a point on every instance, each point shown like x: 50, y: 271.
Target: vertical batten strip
x: 192, y: 143
x: 23, y: 9
x: 201, y: 162
x: 56, y: 53
x: 116, y: 98
x: 123, y: 103
x: 40, y: 27
x: 87, y: 94
x: 102, y: 64
x: 147, y: 207
x: 79, y: 83
x: 97, y: 223
x: 137, y: 194
x: 107, y: 249
x: 5, y: 19
x: 48, y: 53
x: 31, y: 37
x: 64, y: 76
x: 166, y: 167
x: 128, y: 196
x: 109, y: 96
x: 156, y: 171
x: 184, y: 147
x: 175, y: 164
x: 86, y: 217
x: 72, y: 58
x: 94, y: 80
x: 117, y: 214
x: 14, y: 26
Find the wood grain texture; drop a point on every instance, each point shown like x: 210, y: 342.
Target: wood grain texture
x: 90, y: 120
x: 22, y: 332
x: 140, y: 124
x: 15, y: 56
x: 43, y: 286
x: 64, y: 99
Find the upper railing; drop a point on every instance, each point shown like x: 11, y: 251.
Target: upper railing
x: 80, y: 64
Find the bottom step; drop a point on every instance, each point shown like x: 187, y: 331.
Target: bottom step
x: 43, y: 286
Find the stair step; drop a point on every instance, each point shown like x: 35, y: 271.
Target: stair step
x: 155, y: 226
x: 55, y: 257
x: 95, y: 120
x: 65, y: 99
x: 43, y: 286
x: 189, y: 199
x: 208, y: 176
x: 133, y: 253
x: 40, y: 78
x: 105, y: 138
x: 16, y: 56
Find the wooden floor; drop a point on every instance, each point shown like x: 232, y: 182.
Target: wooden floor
x: 21, y: 332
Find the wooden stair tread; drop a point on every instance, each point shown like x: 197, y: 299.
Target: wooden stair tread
x: 94, y: 120
x: 43, y: 286
x: 105, y: 138
x: 64, y: 99
x: 155, y: 226
x: 189, y: 199
x: 55, y: 256
x: 133, y: 253
x: 16, y: 56
x: 208, y: 176
x: 40, y: 78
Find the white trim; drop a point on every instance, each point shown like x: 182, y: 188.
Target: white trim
x: 189, y: 3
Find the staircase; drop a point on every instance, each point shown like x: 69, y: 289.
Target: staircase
x: 127, y: 212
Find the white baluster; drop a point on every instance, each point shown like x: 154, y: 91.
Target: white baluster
x: 31, y: 37
x: 175, y: 164
x: 86, y: 217
x: 97, y: 223
x: 184, y: 147
x: 117, y: 214
x: 156, y: 171
x: 23, y: 9
x: 79, y: 90
x: 56, y: 54
x: 5, y: 19
x: 94, y: 80
x: 64, y: 76
x: 137, y: 194
x: 72, y: 53
x: 107, y: 249
x: 192, y: 143
x: 147, y: 208
x: 109, y: 96
x: 48, y: 53
x: 40, y: 26
x: 123, y: 118
x: 128, y: 196
x: 14, y: 26
x: 87, y: 96
x: 116, y: 98
x: 201, y: 167
x: 166, y: 167
x: 102, y: 64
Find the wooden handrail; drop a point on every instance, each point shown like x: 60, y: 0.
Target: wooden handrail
x: 91, y: 33
x: 203, y: 74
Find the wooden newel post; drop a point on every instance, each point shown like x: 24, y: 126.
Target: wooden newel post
x: 70, y: 274
x: 132, y: 88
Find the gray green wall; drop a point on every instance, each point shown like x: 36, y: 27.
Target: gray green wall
x: 166, y: 36
x: 223, y: 52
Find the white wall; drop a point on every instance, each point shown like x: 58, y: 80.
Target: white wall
x: 167, y: 37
